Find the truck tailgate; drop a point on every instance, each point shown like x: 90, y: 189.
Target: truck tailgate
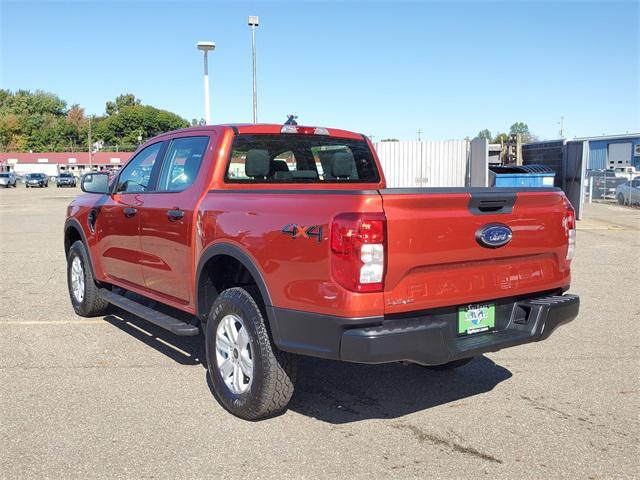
x: 435, y: 260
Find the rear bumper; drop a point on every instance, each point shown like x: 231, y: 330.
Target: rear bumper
x: 428, y: 338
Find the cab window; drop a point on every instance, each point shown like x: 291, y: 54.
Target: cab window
x: 300, y: 159
x: 182, y: 163
x: 136, y: 175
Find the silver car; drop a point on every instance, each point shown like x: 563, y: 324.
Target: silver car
x: 628, y: 193
x: 8, y: 179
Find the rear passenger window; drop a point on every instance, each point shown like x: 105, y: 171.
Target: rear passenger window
x: 182, y: 163
x: 300, y: 159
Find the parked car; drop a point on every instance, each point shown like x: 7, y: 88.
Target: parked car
x: 628, y: 193
x: 604, y: 183
x: 66, y: 179
x: 36, y: 180
x: 628, y: 172
x: 8, y: 179
x: 305, y: 251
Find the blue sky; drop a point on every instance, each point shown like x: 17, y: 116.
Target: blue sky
x: 381, y: 68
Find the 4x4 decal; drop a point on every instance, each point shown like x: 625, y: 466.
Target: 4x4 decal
x: 301, y: 231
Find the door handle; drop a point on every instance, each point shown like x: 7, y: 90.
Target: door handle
x: 175, y: 215
x: 130, y: 212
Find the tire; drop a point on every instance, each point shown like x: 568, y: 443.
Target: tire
x: 621, y: 199
x: 88, y: 304
x: 451, y: 365
x: 268, y: 390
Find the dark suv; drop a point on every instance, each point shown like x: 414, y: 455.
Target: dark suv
x: 36, y: 180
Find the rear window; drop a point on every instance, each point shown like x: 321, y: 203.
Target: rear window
x: 300, y: 159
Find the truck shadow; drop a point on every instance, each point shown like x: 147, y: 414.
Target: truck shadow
x: 182, y: 350
x: 339, y: 392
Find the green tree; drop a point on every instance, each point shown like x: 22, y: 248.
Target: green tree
x: 24, y: 102
x: 484, y: 134
x: 122, y: 129
x: 41, y: 121
x: 521, y: 128
x: 121, y: 101
x: 501, y: 138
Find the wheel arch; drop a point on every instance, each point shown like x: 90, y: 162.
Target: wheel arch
x: 230, y: 251
x: 73, y: 232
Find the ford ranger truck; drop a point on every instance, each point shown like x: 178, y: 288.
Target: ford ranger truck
x: 278, y: 241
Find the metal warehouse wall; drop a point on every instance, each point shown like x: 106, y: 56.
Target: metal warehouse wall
x: 549, y: 154
x: 598, y: 152
x: 424, y: 163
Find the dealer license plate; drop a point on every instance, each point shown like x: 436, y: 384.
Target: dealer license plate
x: 476, y: 318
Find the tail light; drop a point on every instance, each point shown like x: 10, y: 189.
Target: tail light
x: 358, y: 251
x: 570, y: 227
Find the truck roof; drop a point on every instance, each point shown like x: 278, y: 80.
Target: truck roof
x: 261, y: 129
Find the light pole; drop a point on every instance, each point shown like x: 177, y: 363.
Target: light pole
x: 254, y: 21
x: 205, y: 47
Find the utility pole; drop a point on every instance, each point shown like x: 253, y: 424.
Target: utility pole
x: 254, y: 21
x: 561, y: 127
x: 419, y: 135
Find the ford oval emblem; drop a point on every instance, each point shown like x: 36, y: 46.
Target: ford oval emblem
x: 494, y: 235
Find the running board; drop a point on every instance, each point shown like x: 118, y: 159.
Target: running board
x: 157, y: 318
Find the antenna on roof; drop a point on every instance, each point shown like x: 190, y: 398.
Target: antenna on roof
x: 291, y: 120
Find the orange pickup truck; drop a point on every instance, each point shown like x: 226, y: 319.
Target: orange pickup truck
x: 277, y: 241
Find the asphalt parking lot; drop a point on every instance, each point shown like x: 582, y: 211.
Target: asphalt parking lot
x: 116, y: 397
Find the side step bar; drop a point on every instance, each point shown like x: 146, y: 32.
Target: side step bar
x: 157, y: 318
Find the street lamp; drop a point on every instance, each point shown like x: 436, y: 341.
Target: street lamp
x: 254, y: 21
x: 205, y: 47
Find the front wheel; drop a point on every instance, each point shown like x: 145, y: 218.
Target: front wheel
x: 251, y: 378
x: 83, y: 290
x: 621, y: 199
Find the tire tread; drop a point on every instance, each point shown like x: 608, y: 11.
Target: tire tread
x: 92, y: 305
x: 279, y: 368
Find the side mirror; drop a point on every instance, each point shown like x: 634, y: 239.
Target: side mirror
x: 95, y: 183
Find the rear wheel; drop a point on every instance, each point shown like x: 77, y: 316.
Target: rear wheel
x: 251, y: 378
x: 83, y: 290
x: 450, y: 365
